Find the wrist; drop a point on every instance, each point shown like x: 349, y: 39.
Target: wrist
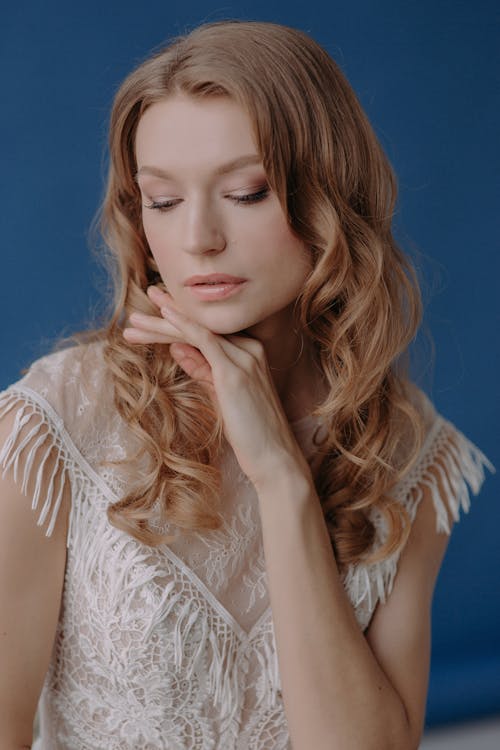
x: 290, y: 475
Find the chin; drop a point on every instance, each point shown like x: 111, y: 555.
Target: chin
x: 225, y: 322
x: 226, y: 329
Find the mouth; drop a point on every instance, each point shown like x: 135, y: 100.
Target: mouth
x: 213, y: 279
x: 214, y: 286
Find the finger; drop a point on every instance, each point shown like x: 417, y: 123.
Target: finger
x: 159, y: 330
x: 245, y: 344
x: 242, y: 351
x: 248, y: 344
x: 214, y: 347
x: 158, y: 296
x: 136, y: 336
x: 154, y: 323
x: 192, y: 362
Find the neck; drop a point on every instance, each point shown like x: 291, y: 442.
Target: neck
x: 296, y: 376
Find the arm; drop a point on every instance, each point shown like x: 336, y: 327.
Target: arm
x: 342, y: 690
x: 31, y: 580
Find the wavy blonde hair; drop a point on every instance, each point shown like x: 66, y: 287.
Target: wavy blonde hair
x: 361, y: 305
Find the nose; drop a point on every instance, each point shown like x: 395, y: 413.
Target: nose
x: 203, y: 232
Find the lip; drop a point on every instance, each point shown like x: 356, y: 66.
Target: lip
x: 222, y: 278
x: 211, y: 292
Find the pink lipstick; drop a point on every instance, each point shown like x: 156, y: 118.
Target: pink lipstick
x: 214, y: 286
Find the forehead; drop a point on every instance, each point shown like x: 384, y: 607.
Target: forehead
x: 183, y: 132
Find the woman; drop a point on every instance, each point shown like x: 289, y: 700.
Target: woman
x: 242, y: 491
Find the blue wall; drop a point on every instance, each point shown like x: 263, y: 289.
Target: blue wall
x: 425, y: 72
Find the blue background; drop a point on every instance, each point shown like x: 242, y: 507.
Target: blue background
x: 427, y: 74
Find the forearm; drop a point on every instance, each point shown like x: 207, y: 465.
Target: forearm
x: 334, y: 691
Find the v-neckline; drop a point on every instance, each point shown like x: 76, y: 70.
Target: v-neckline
x: 243, y: 635
x: 93, y: 476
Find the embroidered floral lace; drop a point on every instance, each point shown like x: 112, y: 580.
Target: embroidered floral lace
x: 172, y: 648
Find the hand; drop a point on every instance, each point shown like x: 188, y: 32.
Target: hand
x: 234, y: 371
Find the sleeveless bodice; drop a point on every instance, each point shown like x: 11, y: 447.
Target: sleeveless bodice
x: 172, y: 647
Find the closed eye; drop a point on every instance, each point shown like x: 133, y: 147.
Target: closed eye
x: 251, y: 197
x: 161, y: 205
x: 239, y: 199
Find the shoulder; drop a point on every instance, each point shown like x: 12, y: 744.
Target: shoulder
x: 68, y: 386
x: 433, y: 491
x: 448, y: 468
x: 436, y: 489
x: 66, y: 370
x: 53, y: 423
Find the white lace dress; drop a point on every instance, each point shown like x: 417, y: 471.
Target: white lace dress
x: 172, y: 648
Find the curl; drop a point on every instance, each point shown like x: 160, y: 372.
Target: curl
x: 360, y: 306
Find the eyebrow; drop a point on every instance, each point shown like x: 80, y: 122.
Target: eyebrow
x: 230, y: 166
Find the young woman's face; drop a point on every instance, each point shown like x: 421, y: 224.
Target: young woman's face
x: 207, y: 209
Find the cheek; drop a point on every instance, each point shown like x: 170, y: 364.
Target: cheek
x: 158, y: 242
x: 152, y: 232
x: 291, y: 257
x: 277, y: 232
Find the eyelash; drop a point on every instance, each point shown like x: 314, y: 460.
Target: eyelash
x: 249, y: 198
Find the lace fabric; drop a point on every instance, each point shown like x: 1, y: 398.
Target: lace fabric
x: 172, y: 647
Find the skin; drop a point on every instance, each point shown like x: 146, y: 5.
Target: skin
x: 205, y: 229
x: 31, y: 582
x: 341, y: 688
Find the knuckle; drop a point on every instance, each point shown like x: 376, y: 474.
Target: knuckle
x: 254, y: 366
x: 258, y: 353
x: 259, y: 349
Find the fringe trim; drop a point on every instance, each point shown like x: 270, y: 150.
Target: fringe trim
x: 269, y: 682
x: 29, y: 452
x: 204, y: 646
x: 449, y: 466
x: 39, y: 453
x: 217, y: 649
